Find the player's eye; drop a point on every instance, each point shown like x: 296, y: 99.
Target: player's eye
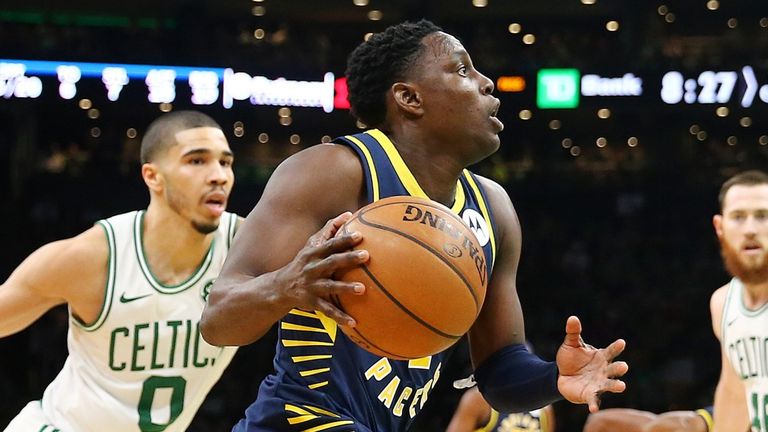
x: 462, y: 70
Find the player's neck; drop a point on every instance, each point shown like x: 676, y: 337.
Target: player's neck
x: 435, y: 171
x: 172, y: 247
x: 755, y: 295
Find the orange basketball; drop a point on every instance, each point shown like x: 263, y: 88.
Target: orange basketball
x: 425, y: 279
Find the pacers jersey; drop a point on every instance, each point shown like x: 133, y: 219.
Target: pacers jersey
x: 323, y: 381
x: 706, y: 414
x: 745, y: 342
x: 142, y: 365
x: 531, y: 421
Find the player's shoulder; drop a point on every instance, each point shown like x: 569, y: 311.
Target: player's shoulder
x: 64, y: 268
x: 498, y: 199
x: 86, y: 246
x: 716, y: 306
x: 332, y: 172
x: 87, y: 251
x: 490, y: 186
x: 717, y: 299
x: 324, y: 155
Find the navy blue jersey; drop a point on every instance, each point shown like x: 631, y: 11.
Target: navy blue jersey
x: 531, y: 421
x: 322, y: 380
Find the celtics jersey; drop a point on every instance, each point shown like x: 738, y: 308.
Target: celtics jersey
x: 322, y: 380
x: 745, y: 342
x: 531, y: 421
x: 142, y: 365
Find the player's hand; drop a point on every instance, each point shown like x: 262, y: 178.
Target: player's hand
x: 307, y: 281
x: 585, y: 371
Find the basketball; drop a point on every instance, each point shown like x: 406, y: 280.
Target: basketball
x: 425, y: 279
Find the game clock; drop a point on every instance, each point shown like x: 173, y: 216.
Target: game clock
x: 711, y: 87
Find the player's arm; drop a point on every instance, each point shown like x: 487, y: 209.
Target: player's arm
x: 677, y: 421
x: 550, y: 425
x: 64, y: 271
x: 473, y: 412
x: 510, y: 378
x: 618, y: 419
x: 272, y: 267
x: 730, y: 401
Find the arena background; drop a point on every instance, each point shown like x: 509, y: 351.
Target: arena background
x: 613, y: 163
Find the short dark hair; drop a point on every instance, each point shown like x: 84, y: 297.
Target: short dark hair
x: 160, y: 135
x: 746, y: 178
x: 378, y: 63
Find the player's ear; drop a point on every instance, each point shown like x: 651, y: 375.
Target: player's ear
x: 152, y: 176
x: 717, y: 222
x: 407, y: 98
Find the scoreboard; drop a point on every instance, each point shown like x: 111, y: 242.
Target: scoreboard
x: 555, y: 88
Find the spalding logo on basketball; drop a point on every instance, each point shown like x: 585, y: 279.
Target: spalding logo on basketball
x: 425, y: 279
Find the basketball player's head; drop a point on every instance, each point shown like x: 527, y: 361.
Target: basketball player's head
x: 413, y: 75
x: 742, y: 226
x: 187, y: 165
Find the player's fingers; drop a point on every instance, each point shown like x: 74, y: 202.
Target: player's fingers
x: 338, y: 261
x: 329, y: 230
x: 593, y: 401
x: 340, y: 288
x: 333, y: 312
x: 573, y: 332
x: 615, y: 386
x: 617, y: 369
x: 614, y: 349
x: 338, y: 222
x: 342, y: 242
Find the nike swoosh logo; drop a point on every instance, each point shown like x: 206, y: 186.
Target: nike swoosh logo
x: 124, y: 299
x: 731, y: 322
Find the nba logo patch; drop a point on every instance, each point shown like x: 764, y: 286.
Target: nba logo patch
x: 477, y: 224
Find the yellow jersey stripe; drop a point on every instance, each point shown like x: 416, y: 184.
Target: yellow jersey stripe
x: 318, y: 385
x: 303, y: 313
x: 321, y: 411
x: 303, y: 343
x: 371, y: 165
x: 484, y: 210
x: 311, y: 372
x: 328, y: 324
x: 420, y: 363
x: 290, y: 326
x: 299, y: 359
x: 296, y: 409
x: 301, y: 419
x: 544, y: 420
x: 707, y: 418
x: 491, y: 422
x: 329, y: 425
x: 405, y: 175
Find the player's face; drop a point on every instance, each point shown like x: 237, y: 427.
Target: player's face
x: 457, y: 99
x: 743, y: 232
x: 199, y: 177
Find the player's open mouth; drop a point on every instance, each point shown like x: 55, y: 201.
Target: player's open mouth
x: 216, y: 202
x: 493, y: 115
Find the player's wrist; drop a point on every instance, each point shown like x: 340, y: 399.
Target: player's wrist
x: 515, y: 380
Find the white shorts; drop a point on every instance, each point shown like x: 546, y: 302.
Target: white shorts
x: 31, y: 419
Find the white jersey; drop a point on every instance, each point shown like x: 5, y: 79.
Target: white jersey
x: 745, y: 340
x: 142, y: 365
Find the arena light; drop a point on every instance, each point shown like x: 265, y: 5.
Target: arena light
x: 511, y: 84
